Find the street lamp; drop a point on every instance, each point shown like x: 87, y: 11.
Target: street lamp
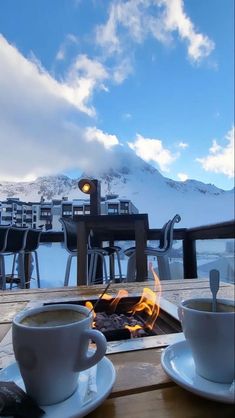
x: 91, y: 187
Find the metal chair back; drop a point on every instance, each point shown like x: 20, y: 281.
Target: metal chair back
x: 3, y: 237
x: 16, y: 239
x: 32, y: 240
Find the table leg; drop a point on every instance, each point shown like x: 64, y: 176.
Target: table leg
x: 81, y: 254
x: 141, y: 259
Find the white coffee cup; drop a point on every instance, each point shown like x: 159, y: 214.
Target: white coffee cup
x: 51, y: 347
x: 210, y: 336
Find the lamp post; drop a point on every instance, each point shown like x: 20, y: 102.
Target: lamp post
x: 92, y: 187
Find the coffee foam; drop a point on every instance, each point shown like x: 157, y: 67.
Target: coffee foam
x: 53, y: 318
x: 206, y: 306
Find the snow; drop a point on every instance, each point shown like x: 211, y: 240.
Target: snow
x: 53, y: 258
x: 197, y: 203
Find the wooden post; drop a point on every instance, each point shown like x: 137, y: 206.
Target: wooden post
x: 190, y: 258
x: 95, y: 199
x: 141, y: 259
x: 82, y: 254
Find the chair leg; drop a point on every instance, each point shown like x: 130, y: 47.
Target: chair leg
x: 21, y: 270
x: 37, y: 269
x: 92, y: 265
x: 67, y: 272
x: 2, y: 273
x: 119, y: 266
x: 13, y: 265
x: 163, y: 267
x: 111, y: 267
x: 131, y: 268
x: 94, y: 268
x: 11, y: 279
x: 105, y: 270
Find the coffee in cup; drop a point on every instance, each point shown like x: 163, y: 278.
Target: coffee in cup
x: 210, y: 336
x: 51, y: 348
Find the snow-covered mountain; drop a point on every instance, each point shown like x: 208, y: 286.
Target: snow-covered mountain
x: 160, y: 197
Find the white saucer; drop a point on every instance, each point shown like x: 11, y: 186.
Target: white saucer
x: 72, y: 407
x: 178, y: 363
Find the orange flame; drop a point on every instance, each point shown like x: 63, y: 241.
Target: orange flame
x: 149, y: 303
x: 133, y: 330
x: 89, y: 305
x: 122, y: 293
x: 106, y: 296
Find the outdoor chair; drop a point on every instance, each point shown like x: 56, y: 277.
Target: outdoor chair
x: 70, y: 242
x: 112, y: 252
x: 15, y: 245
x: 31, y: 246
x: 3, y: 242
x: 165, y: 245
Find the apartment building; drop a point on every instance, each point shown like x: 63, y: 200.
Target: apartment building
x: 46, y: 215
x: 22, y: 214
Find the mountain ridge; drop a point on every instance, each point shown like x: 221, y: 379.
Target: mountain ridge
x: 196, y: 202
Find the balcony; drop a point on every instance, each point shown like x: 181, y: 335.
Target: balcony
x: 188, y: 258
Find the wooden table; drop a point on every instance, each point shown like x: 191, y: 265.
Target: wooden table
x: 142, y: 389
x: 111, y: 228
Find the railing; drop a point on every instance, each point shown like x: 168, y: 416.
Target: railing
x: 189, y: 236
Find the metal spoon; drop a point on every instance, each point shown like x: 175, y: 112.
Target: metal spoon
x: 214, y: 286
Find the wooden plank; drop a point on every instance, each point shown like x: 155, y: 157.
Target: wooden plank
x: 137, y: 371
x: 170, y: 402
x: 4, y: 328
x: 6, y: 350
x: 133, y: 288
x: 176, y: 297
x: 9, y: 310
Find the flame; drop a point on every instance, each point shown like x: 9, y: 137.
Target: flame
x: 133, y: 330
x: 149, y: 303
x: 158, y: 290
x: 121, y: 294
x: 106, y: 296
x: 157, y: 283
x: 89, y: 305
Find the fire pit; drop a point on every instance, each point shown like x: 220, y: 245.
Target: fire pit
x: 133, y: 322
x: 124, y: 320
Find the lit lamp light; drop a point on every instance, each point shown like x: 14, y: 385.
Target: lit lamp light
x: 91, y: 187
x: 87, y: 186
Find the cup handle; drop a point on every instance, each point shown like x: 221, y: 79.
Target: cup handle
x: 101, y: 345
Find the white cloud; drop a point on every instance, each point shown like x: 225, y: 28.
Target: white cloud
x: 183, y: 145
x: 152, y: 151
x: 220, y: 158
x: 199, y: 45
x: 83, y: 77
x: 37, y: 136
x: 69, y: 39
x: 94, y: 134
x: 135, y: 20
x: 121, y: 71
x: 182, y: 176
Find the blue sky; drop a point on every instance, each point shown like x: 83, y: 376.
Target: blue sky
x: 84, y: 82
